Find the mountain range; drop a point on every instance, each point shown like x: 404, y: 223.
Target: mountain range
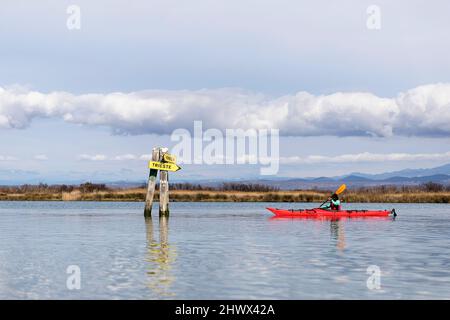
x: 407, y: 173
x: 439, y: 174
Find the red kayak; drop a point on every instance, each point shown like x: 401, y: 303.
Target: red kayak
x: 323, y: 213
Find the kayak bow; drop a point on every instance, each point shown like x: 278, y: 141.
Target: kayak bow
x: 319, y: 213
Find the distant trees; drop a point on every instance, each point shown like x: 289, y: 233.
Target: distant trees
x: 228, y: 186
x: 434, y: 187
x: 40, y: 188
x: 45, y: 188
x: 190, y: 187
x: 89, y: 187
x: 248, y: 187
x: 424, y: 187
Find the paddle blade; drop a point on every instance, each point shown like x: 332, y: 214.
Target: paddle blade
x: 341, y: 189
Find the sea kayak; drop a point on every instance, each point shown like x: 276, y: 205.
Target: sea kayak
x: 323, y: 213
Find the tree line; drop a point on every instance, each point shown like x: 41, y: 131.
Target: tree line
x: 87, y: 187
x: 90, y: 187
x: 226, y: 186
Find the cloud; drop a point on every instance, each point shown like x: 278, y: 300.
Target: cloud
x: 102, y: 157
x: 97, y: 157
x: 367, y: 157
x: 7, y: 158
x: 125, y: 157
x: 422, y: 111
x: 40, y: 157
x: 145, y: 157
x: 310, y: 159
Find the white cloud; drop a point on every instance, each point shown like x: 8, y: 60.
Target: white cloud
x: 125, y: 157
x: 122, y: 157
x: 145, y: 157
x: 424, y: 110
x: 344, y: 158
x: 367, y: 157
x: 97, y: 157
x: 7, y: 158
x: 40, y: 157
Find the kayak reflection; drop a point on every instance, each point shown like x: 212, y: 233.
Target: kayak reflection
x: 336, y: 227
x: 160, y: 257
x: 337, y: 231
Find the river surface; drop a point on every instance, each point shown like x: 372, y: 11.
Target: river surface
x: 93, y: 250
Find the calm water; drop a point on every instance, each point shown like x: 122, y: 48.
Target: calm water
x: 220, y: 251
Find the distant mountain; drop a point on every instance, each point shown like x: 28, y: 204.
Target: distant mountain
x: 441, y: 178
x: 356, y: 178
x: 408, y: 173
x: 439, y: 174
x: 320, y: 179
x: 351, y: 181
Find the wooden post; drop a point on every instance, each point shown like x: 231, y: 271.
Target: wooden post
x: 163, y: 190
x: 151, y: 184
x: 161, y: 161
x: 163, y: 194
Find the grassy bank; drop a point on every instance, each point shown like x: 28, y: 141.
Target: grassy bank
x: 375, y: 194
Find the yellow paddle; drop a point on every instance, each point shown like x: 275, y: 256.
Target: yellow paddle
x: 341, y: 189
x: 338, y: 191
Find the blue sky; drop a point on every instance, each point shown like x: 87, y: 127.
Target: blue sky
x: 67, y: 93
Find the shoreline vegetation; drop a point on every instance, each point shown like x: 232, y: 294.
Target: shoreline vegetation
x: 227, y: 192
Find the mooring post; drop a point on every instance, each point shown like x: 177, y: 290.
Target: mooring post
x: 164, y: 162
x: 163, y: 189
x: 151, y: 184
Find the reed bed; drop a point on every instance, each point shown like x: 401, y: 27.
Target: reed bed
x: 418, y: 194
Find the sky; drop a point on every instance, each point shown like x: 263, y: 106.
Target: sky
x: 348, y: 88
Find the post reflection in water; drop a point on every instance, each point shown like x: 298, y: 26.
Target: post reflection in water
x: 337, y: 233
x: 160, y: 257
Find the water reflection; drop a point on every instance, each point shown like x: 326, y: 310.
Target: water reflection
x: 338, y: 233
x: 160, y: 257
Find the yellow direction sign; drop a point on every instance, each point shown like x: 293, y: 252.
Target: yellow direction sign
x: 169, y: 158
x: 163, y: 166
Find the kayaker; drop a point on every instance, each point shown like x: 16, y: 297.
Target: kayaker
x: 333, y: 203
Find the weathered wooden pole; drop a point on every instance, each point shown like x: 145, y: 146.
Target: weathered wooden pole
x: 151, y: 184
x: 163, y: 189
x: 163, y: 162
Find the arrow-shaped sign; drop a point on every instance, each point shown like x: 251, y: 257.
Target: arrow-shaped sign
x: 169, y: 158
x: 163, y: 166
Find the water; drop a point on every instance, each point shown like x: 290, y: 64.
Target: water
x: 220, y: 251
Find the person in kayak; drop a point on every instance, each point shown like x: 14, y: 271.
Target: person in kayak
x: 333, y: 203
